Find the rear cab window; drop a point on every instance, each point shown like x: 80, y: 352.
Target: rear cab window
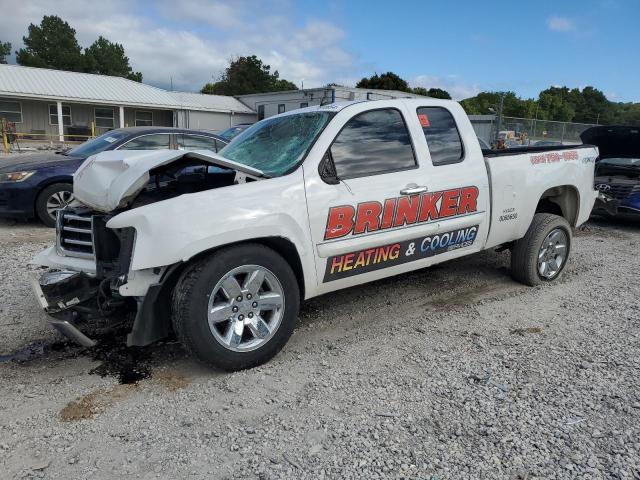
x: 372, y: 143
x: 442, y: 136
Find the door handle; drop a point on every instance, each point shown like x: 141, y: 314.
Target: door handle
x: 413, y: 189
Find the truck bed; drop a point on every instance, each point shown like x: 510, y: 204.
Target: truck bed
x: 519, y: 177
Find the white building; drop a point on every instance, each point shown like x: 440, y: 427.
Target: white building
x: 272, y: 103
x: 46, y: 104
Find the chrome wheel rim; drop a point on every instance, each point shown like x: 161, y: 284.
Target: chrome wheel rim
x: 553, y: 253
x: 58, y: 201
x: 245, y: 308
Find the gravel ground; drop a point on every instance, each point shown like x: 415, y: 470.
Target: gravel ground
x: 450, y: 372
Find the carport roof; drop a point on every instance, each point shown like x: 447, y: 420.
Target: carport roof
x: 43, y: 83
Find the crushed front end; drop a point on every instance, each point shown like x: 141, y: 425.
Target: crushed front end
x: 88, y: 266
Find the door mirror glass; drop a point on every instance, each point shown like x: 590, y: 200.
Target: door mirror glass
x: 327, y: 170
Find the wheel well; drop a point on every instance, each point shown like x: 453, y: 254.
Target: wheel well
x: 563, y: 201
x: 281, y: 245
x: 158, y: 323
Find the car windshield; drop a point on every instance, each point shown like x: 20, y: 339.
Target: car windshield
x: 98, y: 144
x: 622, y: 162
x: 277, y: 145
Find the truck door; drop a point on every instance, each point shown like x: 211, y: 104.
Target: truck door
x: 369, y: 200
x: 456, y: 173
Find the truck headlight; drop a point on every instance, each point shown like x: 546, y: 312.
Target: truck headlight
x: 15, y: 176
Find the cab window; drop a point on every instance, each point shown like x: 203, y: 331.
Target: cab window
x: 159, y: 141
x: 372, y: 143
x: 441, y: 132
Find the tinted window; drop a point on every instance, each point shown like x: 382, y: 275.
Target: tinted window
x: 148, y: 142
x: 260, y: 112
x: 197, y: 142
x: 304, y: 104
x: 442, y: 135
x: 281, y: 108
x: 373, y: 142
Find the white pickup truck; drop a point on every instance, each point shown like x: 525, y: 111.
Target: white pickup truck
x: 223, y: 248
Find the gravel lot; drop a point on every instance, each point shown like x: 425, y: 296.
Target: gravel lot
x: 451, y: 372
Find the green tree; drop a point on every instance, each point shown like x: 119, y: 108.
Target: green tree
x: 52, y: 44
x: 248, y: 75
x: 486, y: 103
x: 386, y: 81
x: 5, y: 51
x: 108, y: 58
x: 438, y: 93
x: 432, y: 92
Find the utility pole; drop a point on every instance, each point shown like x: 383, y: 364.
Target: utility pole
x: 500, y: 109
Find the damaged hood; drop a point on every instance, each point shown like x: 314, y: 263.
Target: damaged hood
x: 614, y: 142
x: 110, y: 180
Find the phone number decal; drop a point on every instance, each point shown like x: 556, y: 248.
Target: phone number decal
x: 368, y: 260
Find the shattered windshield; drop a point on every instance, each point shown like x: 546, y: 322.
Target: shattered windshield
x: 277, y: 145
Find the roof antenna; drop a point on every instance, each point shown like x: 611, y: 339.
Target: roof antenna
x: 171, y: 80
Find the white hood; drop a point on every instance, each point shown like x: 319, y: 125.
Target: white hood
x: 109, y: 180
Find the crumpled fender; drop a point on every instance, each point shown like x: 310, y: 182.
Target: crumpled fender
x: 177, y: 229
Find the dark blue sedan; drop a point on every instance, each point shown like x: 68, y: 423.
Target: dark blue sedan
x: 40, y: 184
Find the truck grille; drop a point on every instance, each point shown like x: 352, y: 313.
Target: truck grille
x: 74, y: 231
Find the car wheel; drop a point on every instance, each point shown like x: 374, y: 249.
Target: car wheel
x: 51, y: 199
x: 237, y: 308
x: 541, y: 255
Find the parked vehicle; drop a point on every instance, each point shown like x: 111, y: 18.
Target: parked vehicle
x: 547, y: 143
x: 234, y: 131
x: 38, y: 185
x: 323, y: 198
x: 617, y: 173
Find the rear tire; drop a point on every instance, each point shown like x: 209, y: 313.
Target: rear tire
x: 541, y: 255
x: 236, y: 309
x: 55, y: 196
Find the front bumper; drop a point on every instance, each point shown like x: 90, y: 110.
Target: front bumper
x: 612, y: 207
x: 17, y: 199
x: 58, y: 292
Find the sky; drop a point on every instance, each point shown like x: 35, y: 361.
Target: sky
x: 462, y: 46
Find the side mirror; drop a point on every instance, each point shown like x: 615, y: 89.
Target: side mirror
x: 327, y: 170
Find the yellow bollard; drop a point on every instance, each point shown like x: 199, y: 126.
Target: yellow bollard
x: 93, y: 129
x: 5, y: 140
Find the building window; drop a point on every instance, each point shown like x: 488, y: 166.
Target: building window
x: 281, y: 108
x: 53, y: 115
x: 104, y: 117
x: 260, y: 112
x: 11, y: 111
x: 304, y: 104
x: 144, y: 118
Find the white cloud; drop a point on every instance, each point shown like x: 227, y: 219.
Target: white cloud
x: 457, y: 89
x: 193, y: 41
x: 560, y: 24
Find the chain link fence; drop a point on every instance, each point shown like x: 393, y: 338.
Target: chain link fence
x: 534, y: 130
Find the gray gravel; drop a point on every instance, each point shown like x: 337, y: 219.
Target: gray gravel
x: 451, y: 372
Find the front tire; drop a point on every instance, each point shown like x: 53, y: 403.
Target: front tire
x: 236, y: 309
x: 51, y: 199
x: 541, y: 255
